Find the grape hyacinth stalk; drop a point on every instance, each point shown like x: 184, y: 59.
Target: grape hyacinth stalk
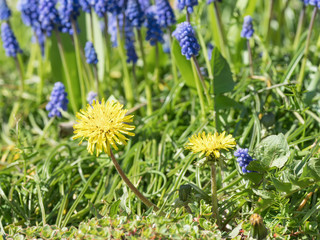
x: 190, y: 48
x: 91, y: 58
x: 136, y: 17
x: 247, y: 32
x: 316, y: 4
x: 5, y: 12
x: 166, y: 19
x: 243, y: 158
x: 300, y: 23
x: 12, y: 49
x: 154, y: 36
x: 217, y: 29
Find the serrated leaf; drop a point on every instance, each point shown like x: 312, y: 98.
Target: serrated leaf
x: 264, y: 194
x: 273, y: 151
x: 253, y: 177
x: 223, y: 80
x: 282, y: 186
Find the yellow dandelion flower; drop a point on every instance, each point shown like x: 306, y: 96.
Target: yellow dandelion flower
x: 103, y: 124
x: 210, y: 144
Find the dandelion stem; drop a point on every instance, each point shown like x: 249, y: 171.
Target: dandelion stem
x: 79, y: 63
x: 299, y: 28
x: 145, y: 71
x: 66, y: 72
x: 250, y: 57
x: 215, y: 209
x: 126, y: 82
x: 306, y: 51
x: 130, y: 185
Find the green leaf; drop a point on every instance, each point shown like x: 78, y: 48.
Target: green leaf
x: 253, y: 177
x: 223, y: 80
x: 235, y: 231
x: 273, y: 151
x: 313, y: 169
x: 183, y: 65
x: 256, y: 166
x: 114, y: 208
x: 224, y: 102
x: 264, y: 194
x: 282, y: 186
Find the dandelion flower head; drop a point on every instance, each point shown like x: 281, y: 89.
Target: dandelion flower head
x: 210, y: 144
x: 103, y: 124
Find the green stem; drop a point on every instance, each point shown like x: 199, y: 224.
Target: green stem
x: 269, y: 20
x: 145, y: 72
x: 250, y: 57
x: 19, y: 66
x: 215, y: 209
x: 157, y: 69
x: 44, y: 132
x: 40, y: 70
x: 131, y: 186
x: 205, y: 52
x: 173, y: 60
x: 66, y: 72
x: 200, y: 94
x: 79, y: 63
x: 98, y: 91
x: 306, y: 51
x: 91, y: 25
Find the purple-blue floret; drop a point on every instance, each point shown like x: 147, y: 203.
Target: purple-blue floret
x: 247, y: 28
x: 243, y: 158
x: 58, y: 100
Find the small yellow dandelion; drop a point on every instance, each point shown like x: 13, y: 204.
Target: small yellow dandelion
x: 103, y: 124
x: 210, y: 144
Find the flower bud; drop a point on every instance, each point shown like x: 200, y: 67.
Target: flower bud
x: 259, y: 230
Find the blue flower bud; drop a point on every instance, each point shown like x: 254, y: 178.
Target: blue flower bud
x: 165, y: 13
x: 134, y: 14
x: 154, y: 32
x: 189, y: 4
x: 10, y: 43
x: 243, y: 158
x: 5, y: 12
x: 90, y: 53
x: 48, y: 16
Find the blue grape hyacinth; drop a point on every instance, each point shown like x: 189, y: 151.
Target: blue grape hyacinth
x: 154, y: 32
x: 90, y: 53
x: 134, y: 14
x: 100, y: 7
x: 69, y: 11
x: 185, y: 35
x: 58, y: 100
x: 91, y: 96
x: 247, y: 28
x: 5, y: 12
x: 243, y: 158
x: 85, y: 5
x: 166, y: 17
x: 29, y: 12
x: 48, y: 16
x: 10, y: 43
x: 306, y: 2
x: 131, y: 52
x: 188, y: 4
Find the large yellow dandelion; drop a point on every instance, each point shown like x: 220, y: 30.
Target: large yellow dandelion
x: 103, y: 124
x: 210, y: 144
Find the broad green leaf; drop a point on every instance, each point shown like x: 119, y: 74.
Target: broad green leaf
x: 314, y: 168
x: 183, y: 64
x: 223, y: 80
x: 264, y: 193
x: 273, y: 151
x: 282, y: 186
x: 224, y: 102
x: 253, y: 177
x: 114, y: 208
x: 256, y: 166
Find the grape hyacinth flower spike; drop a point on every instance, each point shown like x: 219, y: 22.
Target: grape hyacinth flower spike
x: 58, y: 100
x: 247, y: 32
x: 48, y: 16
x: 243, y: 158
x: 188, y: 4
x: 85, y: 5
x: 69, y: 11
x: 154, y: 32
x: 90, y: 53
x: 247, y: 28
x: 166, y: 17
x: 91, y: 96
x: 185, y: 35
x: 134, y: 14
x: 5, y: 12
x: 10, y: 43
